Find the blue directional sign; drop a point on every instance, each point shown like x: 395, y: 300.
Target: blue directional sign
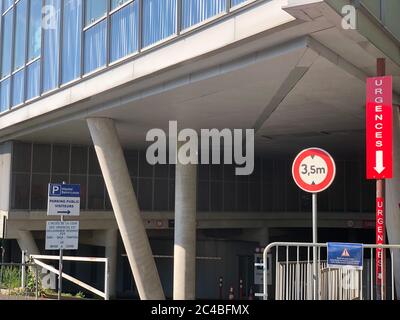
x: 345, y: 255
x: 64, y: 200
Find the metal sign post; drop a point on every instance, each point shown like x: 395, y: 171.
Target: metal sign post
x: 313, y: 171
x: 315, y: 240
x: 379, y: 156
x: 60, y: 268
x: 63, y: 200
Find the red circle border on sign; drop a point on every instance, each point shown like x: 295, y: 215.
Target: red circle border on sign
x: 329, y: 162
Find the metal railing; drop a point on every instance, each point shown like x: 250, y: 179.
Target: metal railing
x: 295, y: 278
x: 37, y: 259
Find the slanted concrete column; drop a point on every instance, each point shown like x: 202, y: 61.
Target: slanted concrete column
x: 125, y: 207
x: 185, y: 232
x: 393, y: 199
x: 111, y: 241
x: 27, y: 242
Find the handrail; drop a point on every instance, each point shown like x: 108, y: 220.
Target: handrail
x: 307, y: 245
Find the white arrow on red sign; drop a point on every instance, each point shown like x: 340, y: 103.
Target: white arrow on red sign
x: 379, y: 162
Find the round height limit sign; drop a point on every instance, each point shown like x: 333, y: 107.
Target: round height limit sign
x: 314, y: 170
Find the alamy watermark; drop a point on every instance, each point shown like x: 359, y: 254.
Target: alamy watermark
x: 349, y: 20
x: 50, y: 17
x: 237, y: 147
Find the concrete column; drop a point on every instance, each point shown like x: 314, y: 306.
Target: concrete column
x: 111, y: 240
x: 185, y: 232
x: 5, y: 184
x: 393, y: 199
x: 125, y: 207
x: 27, y: 242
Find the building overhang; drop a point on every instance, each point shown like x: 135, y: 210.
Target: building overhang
x: 298, y: 79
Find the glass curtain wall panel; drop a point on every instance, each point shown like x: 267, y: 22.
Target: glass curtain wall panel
x: 33, y: 80
x: 124, y: 31
x: 20, y: 34
x: 18, y: 87
x: 71, y: 44
x: 6, y: 47
x: 196, y: 11
x: 35, y: 29
x: 159, y: 20
x: 51, y: 45
x: 5, y: 95
x: 95, y: 47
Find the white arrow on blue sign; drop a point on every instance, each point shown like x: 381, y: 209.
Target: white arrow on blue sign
x: 64, y: 200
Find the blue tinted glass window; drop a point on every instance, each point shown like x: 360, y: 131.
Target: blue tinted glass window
x: 51, y: 43
x: 71, y: 46
x: 33, y: 76
x: 159, y: 20
x: 6, y: 4
x: 236, y: 2
x: 117, y: 3
x: 124, y: 31
x: 94, y: 9
x: 5, y: 95
x: 20, y: 34
x: 195, y: 11
x: 6, y: 44
x: 95, y: 47
x: 18, y: 88
x: 35, y: 34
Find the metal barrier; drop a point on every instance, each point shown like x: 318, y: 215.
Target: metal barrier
x: 296, y: 278
x: 104, y: 294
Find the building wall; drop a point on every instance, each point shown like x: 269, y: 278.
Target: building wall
x: 387, y: 11
x: 269, y: 189
x: 76, y: 38
x: 5, y: 170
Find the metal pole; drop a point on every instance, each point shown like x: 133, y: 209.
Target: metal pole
x: 60, y: 265
x: 2, y: 262
x: 23, y: 269
x: 37, y: 281
x: 380, y: 193
x: 106, y: 281
x: 60, y: 269
x: 315, y: 240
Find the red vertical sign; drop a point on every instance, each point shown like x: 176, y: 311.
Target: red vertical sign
x: 380, y: 238
x: 379, y: 128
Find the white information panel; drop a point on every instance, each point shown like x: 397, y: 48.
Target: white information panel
x: 62, y: 235
x: 64, y: 200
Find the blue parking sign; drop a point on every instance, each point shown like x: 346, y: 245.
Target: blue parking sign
x: 345, y: 255
x: 64, y: 200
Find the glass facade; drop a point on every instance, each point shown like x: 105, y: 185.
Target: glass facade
x: 20, y: 34
x: 35, y: 30
x: 219, y: 189
x: 51, y: 45
x: 194, y: 11
x: 46, y: 44
x: 71, y: 45
x: 6, y: 45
